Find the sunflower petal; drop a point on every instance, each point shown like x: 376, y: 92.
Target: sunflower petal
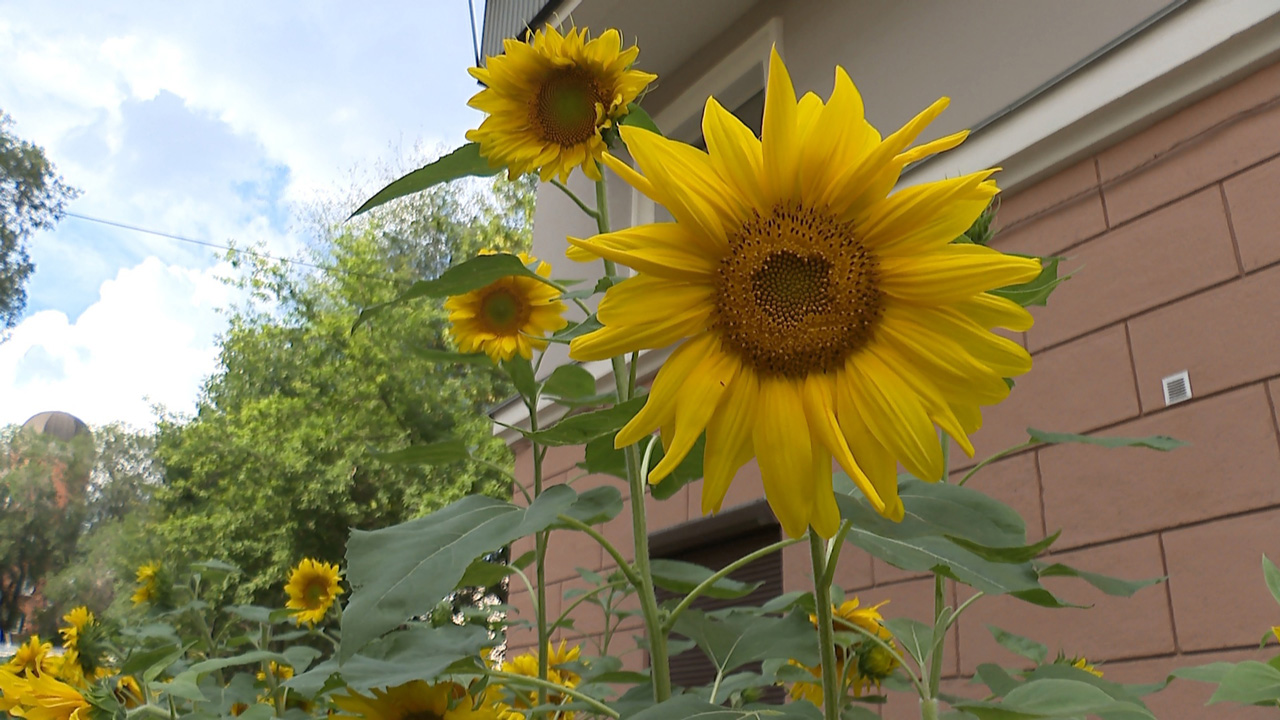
x: 992, y: 311
x: 703, y: 390
x: 729, y: 439
x: 895, y: 416
x: 779, y: 138
x: 735, y: 152
x: 666, y: 250
x: 782, y: 443
x: 613, y: 340
x: 819, y: 409
x: 956, y: 273
x: 879, y: 464
x: 667, y: 386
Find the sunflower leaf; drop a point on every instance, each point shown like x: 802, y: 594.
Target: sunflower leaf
x: 418, y: 653
x: 571, y: 382
x: 1036, y: 291
x: 637, y: 117
x: 1249, y: 683
x: 438, y: 453
x: 1026, y: 647
x: 585, y: 427
x: 466, y: 161
x: 1272, y: 576
x: 733, y: 640
x: 1107, y: 584
x: 681, y: 577
x: 462, y: 278
x: 402, y: 571
x: 1163, y: 443
x: 1053, y: 698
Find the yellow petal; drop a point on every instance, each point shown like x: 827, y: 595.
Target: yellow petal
x: 819, y: 409
x: 841, y: 138
x: 992, y: 311
x: 895, y: 416
x: 1003, y: 356
x: 735, y: 152
x: 956, y: 273
x: 612, y: 340
x: 688, y: 184
x: 729, y: 439
x: 661, y: 405
x: 878, y: 463
x: 666, y: 250
x: 702, y: 392
x: 924, y: 218
x: 824, y: 515
x: 646, y: 299
x: 780, y: 142
x: 782, y: 444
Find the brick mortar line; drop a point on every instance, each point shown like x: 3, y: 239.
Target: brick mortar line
x: 1133, y: 368
x: 1158, y: 411
x: 1162, y: 305
x: 1102, y: 198
x: 1271, y: 402
x: 1145, y: 658
x: 1190, y: 524
x: 1085, y: 194
x: 1231, y: 228
x: 1168, y: 590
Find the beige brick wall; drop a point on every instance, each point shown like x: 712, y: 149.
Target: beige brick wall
x: 1175, y: 233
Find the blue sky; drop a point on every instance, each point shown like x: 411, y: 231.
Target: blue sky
x: 214, y: 121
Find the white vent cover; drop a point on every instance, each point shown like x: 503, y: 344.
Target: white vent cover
x: 1177, y: 387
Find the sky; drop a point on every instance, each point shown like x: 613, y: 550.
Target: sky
x: 212, y: 121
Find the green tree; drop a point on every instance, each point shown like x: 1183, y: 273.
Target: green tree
x: 32, y: 197
x: 280, y: 460
x: 42, y: 509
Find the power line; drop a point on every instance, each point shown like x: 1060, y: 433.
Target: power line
x: 216, y: 246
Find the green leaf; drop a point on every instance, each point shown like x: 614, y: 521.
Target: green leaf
x: 404, y: 570
x: 585, y: 427
x: 1107, y: 584
x: 520, y: 370
x: 602, y: 458
x: 637, y: 117
x: 573, y: 330
x: 595, y: 506
x: 1272, y: 577
x: 690, y: 707
x: 679, y: 576
x: 1037, y: 291
x: 996, y: 678
x: 449, y: 356
x: 151, y: 663
x: 1006, y: 554
x: 1211, y: 673
x: 914, y: 636
x: 572, y: 382
x: 1162, y: 443
x: 462, y: 278
x: 419, y: 653
x: 1026, y: 647
x: 439, y: 453
x: 689, y: 469
x: 1052, y: 698
x: 466, y: 161
x: 483, y: 574
x: 1249, y: 683
x: 736, y: 639
x: 249, y: 658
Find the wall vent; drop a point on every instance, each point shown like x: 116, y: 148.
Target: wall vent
x: 1177, y: 388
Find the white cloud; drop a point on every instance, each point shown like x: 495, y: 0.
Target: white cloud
x: 149, y: 339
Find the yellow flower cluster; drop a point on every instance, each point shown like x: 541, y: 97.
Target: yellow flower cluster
x: 861, y: 662
x: 526, y: 664
x: 148, y: 584
x: 419, y: 699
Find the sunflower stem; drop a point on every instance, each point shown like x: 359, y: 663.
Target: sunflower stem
x: 576, y: 200
x: 545, y: 685
x: 702, y: 587
x: 939, y: 606
x: 659, y: 663
x: 826, y: 633
x: 540, y: 561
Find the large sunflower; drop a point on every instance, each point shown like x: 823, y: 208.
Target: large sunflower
x: 820, y: 316
x: 312, y: 588
x: 548, y: 99
x: 418, y: 700
x: 507, y: 317
x: 51, y: 699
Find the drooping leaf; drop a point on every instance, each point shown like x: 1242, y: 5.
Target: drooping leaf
x: 520, y: 370
x: 439, y: 453
x: 462, y: 278
x: 418, y: 653
x: 481, y: 573
x: 1052, y: 698
x: 585, y: 427
x: 466, y: 161
x: 996, y: 678
x: 735, y: 639
x: 1163, y: 443
x: 1006, y: 554
x: 1026, y: 647
x: 1211, y: 673
x: 1107, y: 584
x: 573, y: 330
x: 1250, y: 683
x: 1272, y: 577
x: 914, y: 636
x: 681, y: 577
x: 572, y: 382
x: 404, y: 570
x: 595, y: 506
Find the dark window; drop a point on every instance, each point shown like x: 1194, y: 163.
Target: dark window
x: 692, y: 667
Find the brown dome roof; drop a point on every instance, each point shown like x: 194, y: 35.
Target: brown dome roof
x: 63, y: 426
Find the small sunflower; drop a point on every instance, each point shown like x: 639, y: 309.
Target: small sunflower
x: 416, y: 700
x: 312, y: 588
x: 77, y: 620
x: 278, y: 671
x: 817, y: 315
x: 548, y: 99
x: 507, y: 317
x: 129, y: 693
x: 148, y: 579
x: 527, y: 664
x: 1079, y: 662
x: 32, y: 658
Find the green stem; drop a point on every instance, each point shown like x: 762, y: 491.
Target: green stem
x: 902, y: 661
x: 928, y: 708
x: 540, y: 560
x: 564, y: 614
x: 576, y: 200
x: 702, y: 587
x: 833, y: 552
x: 623, y: 565
x: 997, y: 456
x: 939, y: 598
x: 545, y: 685
x: 826, y: 634
x: 659, y: 663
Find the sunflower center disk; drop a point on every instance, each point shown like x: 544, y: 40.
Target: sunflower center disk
x: 564, y: 110
x: 420, y: 715
x: 502, y: 311
x: 797, y: 293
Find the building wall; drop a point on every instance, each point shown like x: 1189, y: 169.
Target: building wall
x: 1174, y: 238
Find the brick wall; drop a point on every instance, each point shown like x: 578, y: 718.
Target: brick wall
x: 1174, y: 235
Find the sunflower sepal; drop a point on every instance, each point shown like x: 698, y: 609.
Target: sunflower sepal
x: 466, y: 161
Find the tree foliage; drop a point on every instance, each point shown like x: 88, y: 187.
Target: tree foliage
x: 32, y: 197
x: 280, y: 460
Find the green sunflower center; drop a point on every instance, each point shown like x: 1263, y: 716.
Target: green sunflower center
x: 503, y: 312
x: 564, y: 110
x: 797, y: 293
x: 316, y: 590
